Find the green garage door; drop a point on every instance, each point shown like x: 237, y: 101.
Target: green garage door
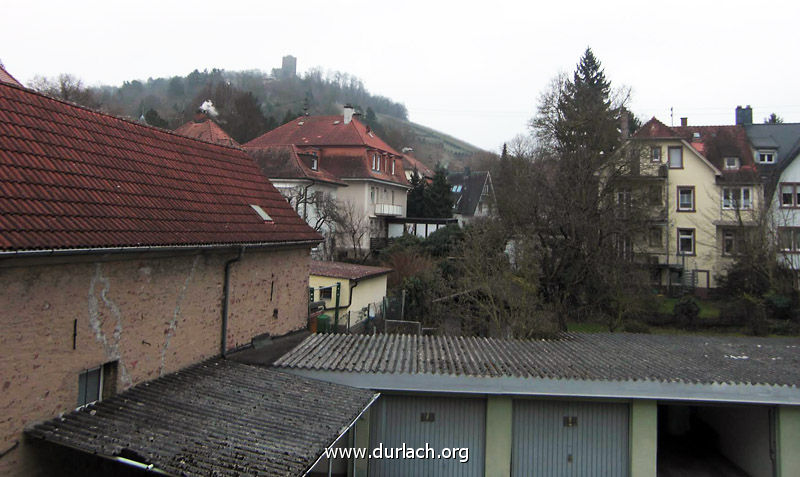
x: 436, y: 421
x: 558, y: 438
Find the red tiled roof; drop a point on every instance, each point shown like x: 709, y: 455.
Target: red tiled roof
x: 718, y: 142
x: 345, y: 150
x: 284, y: 162
x: 346, y: 270
x: 71, y: 177
x: 410, y: 162
x: 206, y: 130
x: 5, y: 77
x: 654, y: 129
x: 322, y: 131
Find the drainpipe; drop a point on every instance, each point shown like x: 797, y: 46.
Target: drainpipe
x: 225, y: 292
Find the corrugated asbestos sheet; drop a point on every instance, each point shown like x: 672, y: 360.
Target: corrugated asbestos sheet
x: 216, y: 418
x: 600, y: 356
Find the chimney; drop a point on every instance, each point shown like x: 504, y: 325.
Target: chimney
x: 744, y: 116
x: 684, y: 122
x: 348, y: 113
x: 624, y: 128
x: 200, y: 116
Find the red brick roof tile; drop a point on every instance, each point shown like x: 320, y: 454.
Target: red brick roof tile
x: 654, y: 129
x: 206, y: 130
x: 71, y: 178
x: 284, y: 162
x: 5, y: 77
x: 350, y: 271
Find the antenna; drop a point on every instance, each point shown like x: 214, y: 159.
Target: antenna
x: 671, y: 118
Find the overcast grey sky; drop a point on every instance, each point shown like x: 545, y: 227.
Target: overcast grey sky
x: 471, y: 69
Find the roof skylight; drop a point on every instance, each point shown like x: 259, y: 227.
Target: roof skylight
x: 261, y: 213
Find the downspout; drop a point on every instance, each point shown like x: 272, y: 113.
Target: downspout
x: 225, y: 292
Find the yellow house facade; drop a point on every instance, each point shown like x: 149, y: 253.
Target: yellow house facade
x: 361, y: 290
x: 710, y: 193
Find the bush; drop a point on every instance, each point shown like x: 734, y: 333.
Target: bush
x: 635, y: 327
x: 686, y: 312
x: 779, y: 306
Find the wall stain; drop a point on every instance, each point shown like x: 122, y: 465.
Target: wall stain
x: 173, y: 323
x: 111, y: 347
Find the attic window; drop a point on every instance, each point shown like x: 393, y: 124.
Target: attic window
x: 336, y: 122
x: 261, y: 213
x: 731, y: 163
x: 766, y: 157
x: 314, y: 163
x: 456, y: 188
x: 696, y: 135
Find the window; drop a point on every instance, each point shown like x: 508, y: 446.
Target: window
x: 314, y: 163
x: 654, y: 238
x: 685, y: 198
x: 676, y: 157
x: 737, y: 198
x: 655, y: 154
x: 789, y: 239
x: 765, y: 157
x: 326, y: 293
x: 456, y: 188
x: 731, y: 163
x: 686, y: 241
x: 374, y: 162
x: 393, y: 161
x: 372, y: 194
x: 790, y: 195
x: 728, y: 242
x: 392, y: 197
x: 378, y: 162
x: 96, y: 383
x: 624, y: 202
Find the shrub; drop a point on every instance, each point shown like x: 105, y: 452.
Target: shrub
x: 686, y: 312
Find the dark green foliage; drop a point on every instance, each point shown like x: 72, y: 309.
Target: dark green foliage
x: 154, y: 119
x: 415, y: 203
x: 437, y: 200
x: 773, y: 119
x: 686, y: 312
x: 445, y: 241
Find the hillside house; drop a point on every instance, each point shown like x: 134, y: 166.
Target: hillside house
x: 313, y: 155
x: 362, y: 289
x: 130, y: 254
x: 473, y: 195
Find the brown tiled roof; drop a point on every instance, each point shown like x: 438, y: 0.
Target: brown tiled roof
x: 654, y: 129
x: 5, y: 77
x: 411, y: 162
x: 284, y: 162
x: 74, y: 178
x: 206, y: 130
x: 216, y: 418
x: 345, y: 150
x: 346, y: 270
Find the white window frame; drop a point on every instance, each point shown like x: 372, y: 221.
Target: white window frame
x: 690, y: 189
x: 793, y: 242
x: 729, y: 242
x: 732, y: 163
x: 684, y: 234
x: 655, y: 154
x: 393, y: 167
x: 763, y: 153
x: 733, y: 198
x: 794, y: 192
x: 314, y: 163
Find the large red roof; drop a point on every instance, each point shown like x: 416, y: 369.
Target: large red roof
x: 322, y: 131
x: 5, y: 77
x: 284, y: 162
x: 206, y: 130
x: 71, y: 177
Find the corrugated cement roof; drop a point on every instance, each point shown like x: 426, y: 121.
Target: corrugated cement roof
x: 572, y: 356
x: 215, y: 418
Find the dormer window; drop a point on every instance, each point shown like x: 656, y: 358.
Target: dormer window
x: 766, y: 156
x: 393, y: 161
x: 314, y: 163
x: 732, y: 163
x: 375, y: 163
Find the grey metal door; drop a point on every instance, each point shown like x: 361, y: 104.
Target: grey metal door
x: 559, y: 438
x: 436, y: 421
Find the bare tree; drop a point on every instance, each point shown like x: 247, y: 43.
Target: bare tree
x: 66, y: 87
x: 352, y: 226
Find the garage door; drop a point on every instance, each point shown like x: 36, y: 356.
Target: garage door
x: 439, y: 422
x: 554, y: 438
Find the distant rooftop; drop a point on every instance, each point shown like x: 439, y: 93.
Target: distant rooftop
x: 350, y: 271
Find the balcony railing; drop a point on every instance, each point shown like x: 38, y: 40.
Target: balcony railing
x: 388, y: 210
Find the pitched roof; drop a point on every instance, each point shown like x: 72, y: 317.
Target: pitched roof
x: 410, y: 163
x: 206, y: 130
x: 578, y: 356
x: 467, y: 197
x: 784, y: 138
x: 73, y: 178
x: 284, y: 162
x: 350, y: 271
x: 654, y: 129
x: 216, y: 418
x: 322, y: 131
x: 5, y: 77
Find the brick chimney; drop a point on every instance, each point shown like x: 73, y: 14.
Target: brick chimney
x: 684, y: 122
x: 200, y: 116
x: 624, y: 126
x: 744, y: 116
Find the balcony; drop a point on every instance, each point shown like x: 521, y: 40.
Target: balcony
x: 388, y: 210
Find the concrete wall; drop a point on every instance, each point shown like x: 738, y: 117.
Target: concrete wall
x: 788, y: 438
x: 151, y: 314
x: 644, y: 438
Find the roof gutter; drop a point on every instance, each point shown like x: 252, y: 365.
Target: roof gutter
x: 342, y: 433
x: 225, y: 298
x: 150, y: 248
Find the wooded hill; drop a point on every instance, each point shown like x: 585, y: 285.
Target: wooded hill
x: 252, y: 102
